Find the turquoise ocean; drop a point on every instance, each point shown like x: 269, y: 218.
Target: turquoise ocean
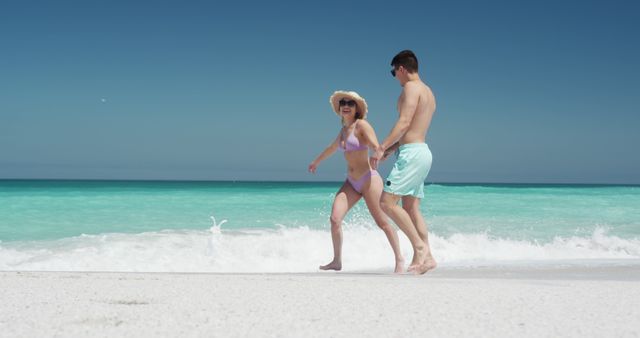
x: 283, y: 227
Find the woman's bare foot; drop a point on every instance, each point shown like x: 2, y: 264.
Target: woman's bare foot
x: 399, y: 266
x: 334, y: 265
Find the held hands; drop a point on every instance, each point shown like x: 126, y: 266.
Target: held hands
x: 386, y: 155
x: 376, y: 157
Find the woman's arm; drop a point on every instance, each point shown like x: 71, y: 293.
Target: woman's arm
x: 372, y: 141
x: 368, y: 134
x: 323, y: 156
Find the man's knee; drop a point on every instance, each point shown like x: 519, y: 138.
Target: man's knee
x: 410, y: 208
x: 411, y: 205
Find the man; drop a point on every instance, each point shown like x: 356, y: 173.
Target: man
x: 416, y: 106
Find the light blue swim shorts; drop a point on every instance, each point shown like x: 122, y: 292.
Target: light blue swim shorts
x: 410, y: 170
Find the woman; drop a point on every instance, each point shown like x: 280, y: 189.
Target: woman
x: 355, y: 139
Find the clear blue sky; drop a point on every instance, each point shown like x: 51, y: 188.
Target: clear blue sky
x: 535, y: 91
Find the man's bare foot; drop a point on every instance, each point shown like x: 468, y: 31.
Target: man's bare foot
x: 399, y: 266
x: 332, y: 266
x: 418, y: 260
x: 429, y: 264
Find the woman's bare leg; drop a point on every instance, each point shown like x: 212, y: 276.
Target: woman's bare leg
x: 344, y: 200
x: 371, y: 193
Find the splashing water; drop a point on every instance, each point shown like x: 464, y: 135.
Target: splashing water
x: 216, y: 228
x: 283, y: 227
x: 216, y: 236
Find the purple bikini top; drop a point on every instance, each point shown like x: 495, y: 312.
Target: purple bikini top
x: 351, y: 143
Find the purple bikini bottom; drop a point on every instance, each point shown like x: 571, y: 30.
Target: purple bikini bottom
x: 357, y: 184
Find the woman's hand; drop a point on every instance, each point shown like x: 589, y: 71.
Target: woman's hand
x: 313, y: 167
x: 375, y: 158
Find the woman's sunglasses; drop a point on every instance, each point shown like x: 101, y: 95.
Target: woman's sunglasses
x: 350, y: 103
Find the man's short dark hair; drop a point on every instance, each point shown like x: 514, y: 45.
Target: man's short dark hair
x: 407, y: 59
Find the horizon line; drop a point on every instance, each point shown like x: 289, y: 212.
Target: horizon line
x: 306, y: 182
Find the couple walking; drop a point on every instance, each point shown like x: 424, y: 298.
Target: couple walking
x: 416, y: 106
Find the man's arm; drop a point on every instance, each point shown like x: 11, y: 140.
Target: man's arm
x: 390, y: 151
x: 408, y: 107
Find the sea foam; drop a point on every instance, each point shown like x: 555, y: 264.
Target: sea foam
x: 298, y: 249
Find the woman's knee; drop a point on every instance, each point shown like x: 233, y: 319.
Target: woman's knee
x: 387, y: 204
x: 336, y: 221
x: 383, y: 224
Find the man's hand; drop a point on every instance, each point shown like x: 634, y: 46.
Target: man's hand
x: 386, y: 155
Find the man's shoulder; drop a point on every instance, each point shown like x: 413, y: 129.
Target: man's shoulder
x: 411, y: 88
x: 418, y: 84
x: 417, y: 88
x: 414, y: 86
x: 411, y: 84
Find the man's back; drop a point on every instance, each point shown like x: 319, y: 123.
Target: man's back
x: 425, y: 108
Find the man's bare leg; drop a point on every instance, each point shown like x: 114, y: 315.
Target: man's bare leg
x: 389, y: 204
x: 411, y: 205
x: 344, y: 200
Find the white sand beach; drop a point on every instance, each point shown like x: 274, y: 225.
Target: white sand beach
x: 559, y: 302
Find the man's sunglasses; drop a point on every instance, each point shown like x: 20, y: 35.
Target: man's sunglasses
x: 393, y: 72
x: 350, y: 103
